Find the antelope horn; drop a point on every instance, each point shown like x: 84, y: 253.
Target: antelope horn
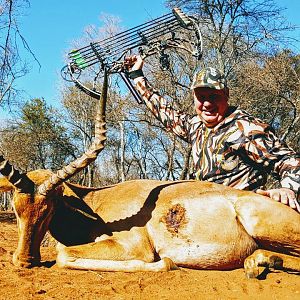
x: 89, y: 156
x: 19, y: 181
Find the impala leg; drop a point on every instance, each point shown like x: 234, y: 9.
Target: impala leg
x: 269, y: 259
x: 111, y: 255
x: 134, y: 265
x: 274, y: 226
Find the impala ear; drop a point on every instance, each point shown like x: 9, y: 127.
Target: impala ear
x: 5, y: 185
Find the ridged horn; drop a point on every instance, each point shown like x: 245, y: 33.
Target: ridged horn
x: 19, y: 181
x: 90, y: 155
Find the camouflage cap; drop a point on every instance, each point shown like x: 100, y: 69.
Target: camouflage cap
x: 209, y: 77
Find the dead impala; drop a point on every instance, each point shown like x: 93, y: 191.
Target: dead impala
x: 148, y: 225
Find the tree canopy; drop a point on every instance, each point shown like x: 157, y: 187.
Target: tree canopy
x: 247, y: 39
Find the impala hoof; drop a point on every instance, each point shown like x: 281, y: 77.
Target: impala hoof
x: 251, y: 268
x: 169, y: 265
x: 251, y: 274
x: 26, y: 262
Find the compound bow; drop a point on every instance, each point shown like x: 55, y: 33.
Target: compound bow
x: 152, y: 37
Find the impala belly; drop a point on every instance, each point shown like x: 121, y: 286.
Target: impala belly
x: 200, y: 233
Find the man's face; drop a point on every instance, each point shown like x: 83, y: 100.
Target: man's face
x: 211, y: 105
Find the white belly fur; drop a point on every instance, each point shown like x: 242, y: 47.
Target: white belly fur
x: 208, y: 234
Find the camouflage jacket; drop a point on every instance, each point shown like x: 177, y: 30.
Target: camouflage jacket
x: 239, y: 152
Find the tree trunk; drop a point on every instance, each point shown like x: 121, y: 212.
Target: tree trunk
x: 186, y: 167
x: 122, y: 150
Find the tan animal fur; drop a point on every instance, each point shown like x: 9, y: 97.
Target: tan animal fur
x: 153, y: 225
x: 148, y: 225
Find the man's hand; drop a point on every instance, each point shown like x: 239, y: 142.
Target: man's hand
x: 283, y: 195
x: 134, y: 62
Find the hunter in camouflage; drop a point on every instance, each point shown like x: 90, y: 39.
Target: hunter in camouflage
x: 229, y: 146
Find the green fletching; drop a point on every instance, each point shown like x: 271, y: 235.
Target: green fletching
x: 73, y: 52
x: 80, y: 62
x: 77, y: 58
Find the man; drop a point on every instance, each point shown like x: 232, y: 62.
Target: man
x: 229, y: 146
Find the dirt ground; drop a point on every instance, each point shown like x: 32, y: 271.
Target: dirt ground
x: 51, y: 282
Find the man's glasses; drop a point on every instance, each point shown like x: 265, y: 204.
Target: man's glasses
x: 210, y: 98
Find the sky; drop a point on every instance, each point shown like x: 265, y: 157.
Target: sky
x: 49, y: 27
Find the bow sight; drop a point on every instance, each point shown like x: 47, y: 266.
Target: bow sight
x: 173, y: 30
